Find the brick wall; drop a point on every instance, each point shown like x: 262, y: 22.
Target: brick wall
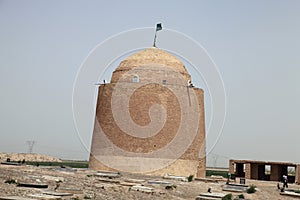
x: 297, y: 178
x: 191, y: 162
x: 231, y: 167
x: 275, y: 173
x: 248, y: 171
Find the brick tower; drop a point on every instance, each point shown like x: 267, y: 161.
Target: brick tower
x: 149, y: 118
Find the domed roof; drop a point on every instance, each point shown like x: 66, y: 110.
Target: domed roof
x: 151, y: 55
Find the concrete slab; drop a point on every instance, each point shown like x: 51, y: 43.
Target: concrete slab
x: 14, y: 198
x: 206, y: 198
x: 142, y: 189
x: 159, y: 182
x: 45, y: 197
x: 231, y: 188
x: 217, y: 177
x: 213, y: 195
x: 129, y: 184
x: 178, y: 178
x: 291, y: 194
x: 210, y: 180
x: 108, y: 180
x: 108, y: 174
x: 131, y: 180
x: 69, y: 190
x: 57, y: 193
x: 11, y: 163
x: 240, y: 185
x: 32, y: 185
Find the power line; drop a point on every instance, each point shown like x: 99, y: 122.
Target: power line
x: 30, y: 144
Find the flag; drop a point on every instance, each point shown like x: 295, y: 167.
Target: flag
x: 158, y: 27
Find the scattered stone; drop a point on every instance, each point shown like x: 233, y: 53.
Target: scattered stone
x: 102, y: 186
x: 53, y: 178
x: 162, y: 192
x: 11, y: 181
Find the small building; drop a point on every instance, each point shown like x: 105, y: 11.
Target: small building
x: 263, y: 170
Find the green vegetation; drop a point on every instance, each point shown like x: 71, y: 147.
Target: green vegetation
x: 291, y: 171
x: 190, y: 178
x: 216, y: 173
x: 251, y: 189
x: 227, y: 197
x: 241, y: 196
x: 73, y: 164
x: 297, y: 191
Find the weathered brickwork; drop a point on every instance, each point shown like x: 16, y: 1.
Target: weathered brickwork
x: 297, y: 178
x: 158, y: 83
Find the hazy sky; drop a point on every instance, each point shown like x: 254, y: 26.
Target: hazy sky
x: 255, y: 44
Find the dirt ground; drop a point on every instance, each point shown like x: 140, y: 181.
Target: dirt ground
x: 88, y: 186
x: 28, y: 157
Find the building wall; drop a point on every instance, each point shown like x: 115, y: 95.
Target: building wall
x: 191, y: 162
x: 275, y: 173
x: 256, y: 170
x: 248, y: 171
x: 231, y: 167
x: 297, y: 178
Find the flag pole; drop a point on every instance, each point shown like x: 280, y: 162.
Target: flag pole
x: 154, y: 45
x: 158, y: 28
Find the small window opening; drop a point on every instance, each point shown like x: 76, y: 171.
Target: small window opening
x: 291, y: 171
x: 135, y: 79
x: 267, y: 169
